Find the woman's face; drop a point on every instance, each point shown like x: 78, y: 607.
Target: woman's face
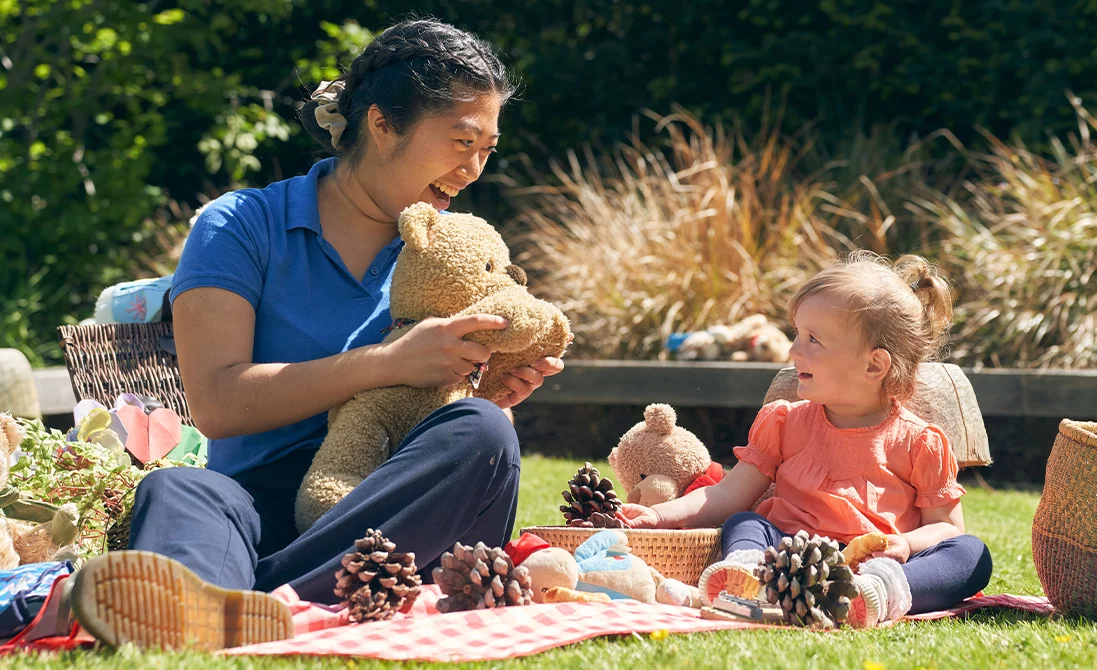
x: 436, y: 158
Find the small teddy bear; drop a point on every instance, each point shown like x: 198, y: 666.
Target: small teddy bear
x: 451, y: 265
x: 657, y: 461
x: 30, y: 531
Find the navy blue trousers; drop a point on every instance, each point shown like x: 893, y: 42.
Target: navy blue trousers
x: 454, y: 478
x: 940, y: 577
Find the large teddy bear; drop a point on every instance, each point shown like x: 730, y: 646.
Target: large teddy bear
x: 451, y: 265
x: 30, y: 531
x: 657, y: 460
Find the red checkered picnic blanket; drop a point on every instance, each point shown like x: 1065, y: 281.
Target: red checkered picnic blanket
x: 424, y: 634
x: 512, y: 632
x: 480, y: 635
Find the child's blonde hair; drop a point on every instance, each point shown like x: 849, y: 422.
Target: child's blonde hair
x: 904, y: 308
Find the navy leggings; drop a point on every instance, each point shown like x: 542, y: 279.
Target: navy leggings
x: 939, y: 577
x: 454, y: 478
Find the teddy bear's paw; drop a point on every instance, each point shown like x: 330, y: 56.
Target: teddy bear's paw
x: 319, y: 493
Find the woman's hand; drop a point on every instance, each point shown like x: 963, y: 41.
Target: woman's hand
x: 433, y: 353
x: 524, y: 381
x: 638, y: 516
x: 898, y: 549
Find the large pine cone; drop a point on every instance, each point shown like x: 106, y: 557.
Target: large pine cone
x: 809, y: 579
x: 480, y: 578
x: 375, y: 581
x: 592, y: 502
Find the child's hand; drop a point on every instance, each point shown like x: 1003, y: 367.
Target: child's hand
x: 898, y: 549
x: 638, y: 516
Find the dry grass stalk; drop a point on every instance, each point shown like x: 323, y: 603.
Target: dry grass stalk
x: 1022, y: 245
x: 649, y: 241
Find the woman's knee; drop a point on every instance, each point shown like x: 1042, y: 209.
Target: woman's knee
x: 482, y: 428
x: 172, y: 482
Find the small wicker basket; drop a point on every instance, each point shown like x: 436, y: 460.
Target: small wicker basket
x: 676, y: 554
x: 1064, y: 535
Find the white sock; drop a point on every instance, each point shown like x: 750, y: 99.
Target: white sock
x: 895, y: 582
x: 748, y: 558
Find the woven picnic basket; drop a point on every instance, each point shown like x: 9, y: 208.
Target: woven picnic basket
x: 110, y: 359
x: 106, y: 360
x: 1064, y: 531
x: 676, y: 554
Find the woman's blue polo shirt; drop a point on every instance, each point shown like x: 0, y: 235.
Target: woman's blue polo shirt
x: 266, y: 245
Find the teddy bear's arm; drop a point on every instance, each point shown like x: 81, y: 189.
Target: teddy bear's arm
x: 528, y: 318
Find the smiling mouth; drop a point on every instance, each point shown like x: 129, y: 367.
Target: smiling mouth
x: 445, y: 190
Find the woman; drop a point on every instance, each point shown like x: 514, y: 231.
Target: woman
x: 279, y: 303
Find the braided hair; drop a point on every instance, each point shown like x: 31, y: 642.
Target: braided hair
x: 412, y: 70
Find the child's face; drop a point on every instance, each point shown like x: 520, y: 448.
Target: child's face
x: 831, y: 360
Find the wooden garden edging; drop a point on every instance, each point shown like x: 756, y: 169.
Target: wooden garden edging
x: 1001, y: 392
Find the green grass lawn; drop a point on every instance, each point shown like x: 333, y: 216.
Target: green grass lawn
x: 995, y: 639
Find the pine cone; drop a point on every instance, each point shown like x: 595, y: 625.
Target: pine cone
x: 375, y: 581
x: 480, y: 578
x: 592, y: 502
x: 809, y: 579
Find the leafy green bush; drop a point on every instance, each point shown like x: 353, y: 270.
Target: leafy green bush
x: 589, y: 65
x: 113, y: 112
x: 110, y: 112
x: 52, y: 469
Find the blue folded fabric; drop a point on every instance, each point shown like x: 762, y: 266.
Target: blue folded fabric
x: 23, y: 590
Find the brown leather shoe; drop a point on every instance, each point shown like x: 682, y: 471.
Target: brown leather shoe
x: 155, y: 601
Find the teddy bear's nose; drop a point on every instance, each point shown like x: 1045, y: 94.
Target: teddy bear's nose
x: 517, y: 274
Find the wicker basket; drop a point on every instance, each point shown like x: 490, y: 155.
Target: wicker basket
x: 1064, y: 533
x: 676, y: 554
x: 107, y: 360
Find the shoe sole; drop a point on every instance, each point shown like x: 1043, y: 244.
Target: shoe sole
x: 156, y: 602
x: 736, y: 581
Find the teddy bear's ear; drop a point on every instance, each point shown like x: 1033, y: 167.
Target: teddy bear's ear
x: 660, y: 418
x: 416, y: 225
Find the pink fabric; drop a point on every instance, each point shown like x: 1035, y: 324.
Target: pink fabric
x: 424, y: 634
x: 845, y: 482
x: 481, y: 635
x: 513, y: 632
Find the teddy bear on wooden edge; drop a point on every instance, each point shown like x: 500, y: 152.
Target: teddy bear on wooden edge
x: 30, y: 531
x: 451, y: 265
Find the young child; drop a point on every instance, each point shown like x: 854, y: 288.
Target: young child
x: 848, y: 458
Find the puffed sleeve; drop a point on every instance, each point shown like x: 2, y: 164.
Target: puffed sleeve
x: 763, y: 448
x: 934, y: 472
